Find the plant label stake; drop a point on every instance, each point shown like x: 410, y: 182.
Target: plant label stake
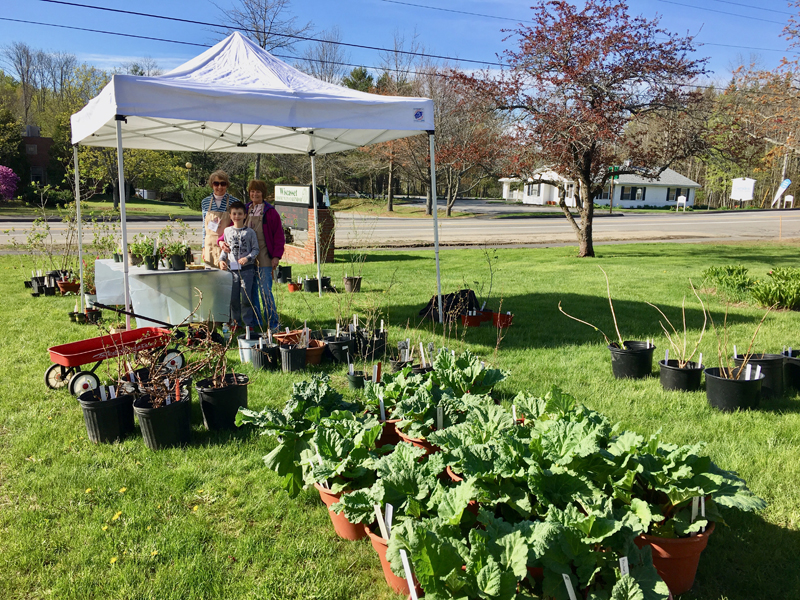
x: 378, y: 378
x: 112, y: 391
x: 703, y: 510
x: 624, y: 568
x: 351, y: 329
x: 514, y: 412
x: 247, y: 332
x: 695, y: 507
x: 337, y: 329
x: 389, y: 516
x: 177, y: 390
x: 383, y: 408
x: 375, y: 373
x: 422, y: 354
x: 666, y: 357
x: 700, y: 360
x: 381, y: 524
x: 439, y: 418
x: 355, y: 321
x: 410, y: 576
x: 747, y: 371
x: 287, y: 330
x: 261, y: 343
x: 381, y: 325
x: 269, y: 336
x: 103, y: 396
x: 758, y: 371
x: 570, y: 589
x: 735, y: 354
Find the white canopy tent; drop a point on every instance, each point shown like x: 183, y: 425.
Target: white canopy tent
x: 236, y: 97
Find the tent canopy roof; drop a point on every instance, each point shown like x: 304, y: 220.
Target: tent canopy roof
x: 237, y: 97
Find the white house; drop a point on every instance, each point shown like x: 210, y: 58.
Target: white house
x: 630, y: 191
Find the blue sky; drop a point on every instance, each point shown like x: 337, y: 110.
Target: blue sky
x: 730, y: 29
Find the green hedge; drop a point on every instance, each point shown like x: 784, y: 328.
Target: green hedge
x: 194, y: 196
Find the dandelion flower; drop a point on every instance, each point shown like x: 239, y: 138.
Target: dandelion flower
x: 199, y: 491
x: 148, y: 528
x: 117, y: 515
x: 123, y: 490
x: 154, y: 552
x: 196, y: 507
x: 113, y: 560
x: 105, y: 527
x: 88, y: 490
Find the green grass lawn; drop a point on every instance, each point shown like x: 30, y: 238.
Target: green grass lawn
x: 210, y: 521
x: 104, y: 205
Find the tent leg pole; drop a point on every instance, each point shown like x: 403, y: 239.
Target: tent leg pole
x: 316, y: 218
x: 435, y: 207
x: 80, y: 223
x: 122, y: 219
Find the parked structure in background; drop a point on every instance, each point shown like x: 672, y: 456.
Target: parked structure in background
x: 37, y: 153
x: 630, y: 191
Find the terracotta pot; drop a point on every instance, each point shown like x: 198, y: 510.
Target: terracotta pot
x: 314, y: 352
x: 389, y: 434
x: 676, y: 559
x: 419, y: 443
x: 487, y: 316
x: 502, y: 320
x: 68, y: 286
x: 398, y: 584
x: 295, y: 287
x: 288, y: 338
x: 343, y: 528
x: 472, y: 320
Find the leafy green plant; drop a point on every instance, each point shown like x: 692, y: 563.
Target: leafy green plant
x: 465, y: 374
x: 731, y: 282
x: 141, y: 246
x: 781, y: 290
x: 418, y: 413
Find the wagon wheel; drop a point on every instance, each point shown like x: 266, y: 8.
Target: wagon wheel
x: 173, y: 360
x: 56, y: 376
x: 83, y: 381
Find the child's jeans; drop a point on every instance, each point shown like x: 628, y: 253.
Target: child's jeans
x: 241, y: 304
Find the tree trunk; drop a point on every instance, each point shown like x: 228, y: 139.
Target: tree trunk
x: 115, y: 194
x: 257, y: 171
x: 390, y: 195
x: 429, y: 203
x: 585, y: 241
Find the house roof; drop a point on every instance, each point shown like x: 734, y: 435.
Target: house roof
x: 668, y: 178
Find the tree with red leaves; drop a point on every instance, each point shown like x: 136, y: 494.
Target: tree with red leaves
x: 596, y: 88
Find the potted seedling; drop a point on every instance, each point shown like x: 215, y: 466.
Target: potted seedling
x: 293, y: 351
x: 107, y: 413
x: 681, y: 373
x: 732, y: 387
x: 172, y: 240
x: 629, y: 359
x: 221, y: 392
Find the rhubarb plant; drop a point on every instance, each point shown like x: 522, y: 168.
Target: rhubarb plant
x: 465, y: 374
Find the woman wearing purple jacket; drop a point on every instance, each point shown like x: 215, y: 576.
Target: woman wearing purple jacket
x: 266, y: 222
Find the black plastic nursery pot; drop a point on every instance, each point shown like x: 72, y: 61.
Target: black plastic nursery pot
x: 771, y: 369
x: 93, y: 315
x: 791, y: 369
x: 633, y: 361
x: 284, y: 274
x: 50, y: 291
x: 117, y: 257
x: 109, y: 420
x: 686, y: 379
x: 355, y: 380
x: 399, y: 365
x: 352, y: 284
x: 166, y: 426
x: 419, y: 369
x: 177, y: 262
x: 322, y: 334
x: 310, y: 285
x: 371, y: 344
x: 729, y: 395
x: 267, y: 357
x: 292, y: 359
x: 151, y: 263
x: 28, y: 284
x: 220, y: 405
x: 340, y: 348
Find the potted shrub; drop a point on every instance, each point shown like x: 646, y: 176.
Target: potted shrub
x: 108, y: 415
x: 142, y: 250
x: 221, y: 392
x: 629, y: 359
x: 681, y: 373
x: 173, y: 244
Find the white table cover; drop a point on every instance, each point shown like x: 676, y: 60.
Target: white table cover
x: 168, y: 296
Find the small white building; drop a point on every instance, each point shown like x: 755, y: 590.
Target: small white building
x: 630, y: 191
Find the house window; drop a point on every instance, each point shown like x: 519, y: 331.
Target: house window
x: 534, y: 189
x: 37, y: 175
x: 605, y: 194
x: 31, y: 149
x: 632, y: 193
x: 570, y: 190
x: 674, y: 193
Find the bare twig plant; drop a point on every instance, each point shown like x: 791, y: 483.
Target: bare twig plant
x: 619, y: 344
x: 679, y: 346
x: 727, y: 369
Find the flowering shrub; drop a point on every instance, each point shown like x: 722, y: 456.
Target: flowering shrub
x: 8, y: 183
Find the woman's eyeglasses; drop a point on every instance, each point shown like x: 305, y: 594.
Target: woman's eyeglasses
x: 222, y: 183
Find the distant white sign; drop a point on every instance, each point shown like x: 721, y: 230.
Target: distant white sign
x: 743, y: 188
x: 293, y: 194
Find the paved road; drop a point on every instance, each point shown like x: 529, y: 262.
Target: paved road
x: 507, y: 230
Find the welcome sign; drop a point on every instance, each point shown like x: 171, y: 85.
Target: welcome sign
x: 293, y: 194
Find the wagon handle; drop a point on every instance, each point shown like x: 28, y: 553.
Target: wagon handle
x: 133, y: 314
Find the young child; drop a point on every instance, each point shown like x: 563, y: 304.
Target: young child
x: 243, y: 244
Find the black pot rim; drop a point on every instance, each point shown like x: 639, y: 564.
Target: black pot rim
x: 677, y: 368
x: 624, y: 350
x: 708, y: 373
x: 237, y: 379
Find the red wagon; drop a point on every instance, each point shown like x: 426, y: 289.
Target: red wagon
x: 69, y: 359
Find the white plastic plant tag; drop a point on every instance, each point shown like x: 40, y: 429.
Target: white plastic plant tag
x: 735, y: 353
x: 700, y: 360
x: 381, y: 325
x: 112, y: 392
x: 695, y: 508
x: 155, y: 247
x: 703, y: 511
x: 666, y: 357
x: 790, y: 351
x: 514, y: 412
x: 103, y: 396
x: 570, y: 590
x: 352, y: 370
x: 389, y: 517
x: 261, y: 343
x: 383, y: 408
x: 747, y: 371
x: 381, y: 524
x: 269, y: 336
x: 758, y: 371
x: 337, y: 329
x: 410, y: 576
x: 247, y: 332
x: 624, y: 567
x: 374, y: 373
x: 483, y: 305
x: 422, y: 354
x: 351, y: 329
x: 287, y: 330
x: 355, y: 321
x: 439, y: 418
